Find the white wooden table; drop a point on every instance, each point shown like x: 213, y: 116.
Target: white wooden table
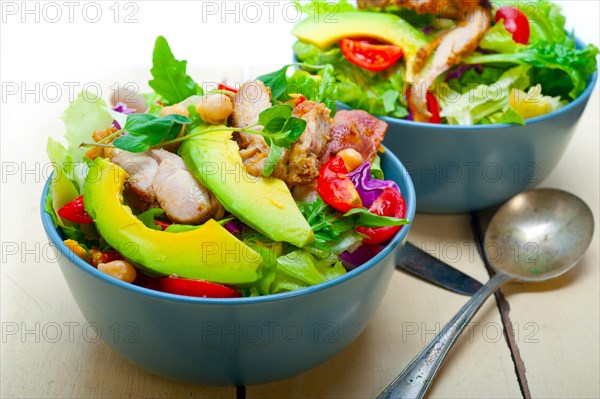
x: 46, y: 350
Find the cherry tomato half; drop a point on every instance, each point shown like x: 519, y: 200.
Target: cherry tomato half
x: 370, y: 54
x: 197, y: 288
x: 336, y: 188
x: 433, y: 106
x: 389, y: 203
x: 516, y: 22
x: 74, y: 211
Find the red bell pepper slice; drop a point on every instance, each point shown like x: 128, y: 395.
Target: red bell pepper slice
x: 223, y: 86
x: 196, y: 288
x: 74, y: 211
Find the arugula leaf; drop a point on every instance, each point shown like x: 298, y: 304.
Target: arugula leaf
x: 368, y: 219
x: 148, y: 217
x: 275, y: 154
x: 276, y: 81
x: 180, y: 228
x: 170, y: 81
x: 147, y: 130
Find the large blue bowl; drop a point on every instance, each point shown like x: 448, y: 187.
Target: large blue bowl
x: 458, y: 169
x: 239, y: 341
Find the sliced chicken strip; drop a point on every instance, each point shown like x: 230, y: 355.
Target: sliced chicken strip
x: 142, y: 169
x: 355, y: 129
x: 179, y: 194
x: 456, y: 44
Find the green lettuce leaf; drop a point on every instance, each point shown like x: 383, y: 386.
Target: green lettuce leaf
x: 376, y: 93
x: 498, y: 39
x: 482, y: 101
x: 577, y: 64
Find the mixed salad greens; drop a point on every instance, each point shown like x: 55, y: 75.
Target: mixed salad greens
x: 458, y: 62
x: 236, y: 191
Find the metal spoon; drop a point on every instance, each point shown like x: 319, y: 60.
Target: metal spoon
x: 536, y: 236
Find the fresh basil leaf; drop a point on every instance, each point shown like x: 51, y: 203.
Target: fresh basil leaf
x: 368, y: 219
x: 275, y: 113
x: 276, y: 81
x: 131, y: 143
x: 170, y: 81
x: 147, y: 130
x: 294, y: 128
x: 148, y: 217
x: 275, y: 154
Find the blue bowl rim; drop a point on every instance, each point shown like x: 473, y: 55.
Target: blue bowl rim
x: 592, y: 79
x: 56, y: 239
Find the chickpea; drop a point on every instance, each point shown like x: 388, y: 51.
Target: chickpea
x: 174, y: 109
x: 352, y: 158
x: 119, y: 269
x: 177, y: 109
x: 215, y: 108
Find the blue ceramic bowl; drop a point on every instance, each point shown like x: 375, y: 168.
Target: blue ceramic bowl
x: 458, y: 169
x: 238, y: 341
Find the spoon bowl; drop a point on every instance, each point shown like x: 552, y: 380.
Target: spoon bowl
x: 536, y: 236
x: 539, y: 234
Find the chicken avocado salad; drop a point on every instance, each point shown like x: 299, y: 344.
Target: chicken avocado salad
x: 236, y: 191
x: 460, y: 62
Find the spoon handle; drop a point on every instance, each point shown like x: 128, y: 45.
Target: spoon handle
x: 415, y: 379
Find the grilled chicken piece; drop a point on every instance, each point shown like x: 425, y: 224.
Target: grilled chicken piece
x: 453, y: 46
x: 141, y: 169
x: 179, y: 194
x: 252, y: 98
x: 304, y: 162
x: 358, y: 130
x: 446, y: 8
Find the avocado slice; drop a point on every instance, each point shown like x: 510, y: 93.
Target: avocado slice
x: 208, y: 253
x: 263, y: 203
x: 360, y: 24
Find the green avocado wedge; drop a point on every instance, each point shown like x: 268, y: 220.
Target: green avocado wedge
x: 263, y: 203
x: 361, y: 24
x: 208, y: 253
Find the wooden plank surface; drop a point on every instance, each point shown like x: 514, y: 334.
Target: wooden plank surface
x: 35, y: 300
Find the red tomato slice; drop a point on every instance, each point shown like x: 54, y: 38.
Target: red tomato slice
x: 369, y: 54
x: 389, y: 203
x: 197, y: 288
x: 74, y: 211
x: 433, y: 106
x: 516, y: 22
x: 336, y: 188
